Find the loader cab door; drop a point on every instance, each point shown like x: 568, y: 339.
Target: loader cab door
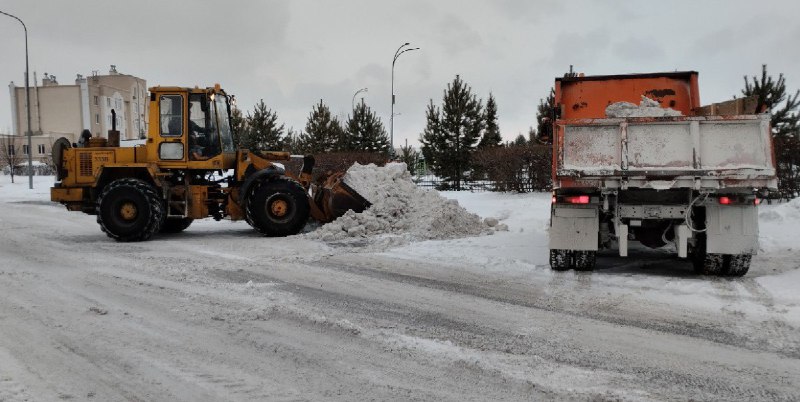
x: 204, y: 139
x: 171, y: 127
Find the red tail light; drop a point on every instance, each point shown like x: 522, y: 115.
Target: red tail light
x: 756, y: 201
x: 577, y: 199
x: 724, y: 200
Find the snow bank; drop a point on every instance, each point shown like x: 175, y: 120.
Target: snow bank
x: 647, y: 108
x: 779, y: 226
x: 400, y: 209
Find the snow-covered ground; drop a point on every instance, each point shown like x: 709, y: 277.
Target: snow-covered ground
x: 220, y: 313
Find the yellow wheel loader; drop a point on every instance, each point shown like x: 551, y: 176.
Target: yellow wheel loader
x: 189, y: 168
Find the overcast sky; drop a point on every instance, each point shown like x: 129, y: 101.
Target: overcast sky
x: 294, y: 53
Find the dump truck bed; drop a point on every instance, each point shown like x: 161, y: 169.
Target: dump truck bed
x: 700, y: 152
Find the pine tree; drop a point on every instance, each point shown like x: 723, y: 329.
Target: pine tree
x: 410, y: 157
x: 262, y: 130
x: 323, y: 132
x: 365, y: 132
x: 292, y: 142
x: 491, y: 135
x: 238, y: 126
x: 452, y: 133
x: 520, y: 140
x: 544, y: 119
x: 785, y: 128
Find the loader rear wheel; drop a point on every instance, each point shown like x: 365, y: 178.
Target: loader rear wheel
x: 175, y: 225
x: 129, y: 210
x: 277, y: 207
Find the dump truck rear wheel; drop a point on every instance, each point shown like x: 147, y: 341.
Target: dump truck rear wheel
x: 175, y: 225
x: 560, y: 260
x: 129, y: 210
x: 277, y: 207
x: 712, y: 264
x: 738, y: 264
x: 584, y: 260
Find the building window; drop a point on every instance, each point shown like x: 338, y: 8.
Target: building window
x: 96, y: 101
x: 24, y: 149
x: 108, y: 102
x: 97, y: 119
x: 12, y: 151
x: 41, y: 149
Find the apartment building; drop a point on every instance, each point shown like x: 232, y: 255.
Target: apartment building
x: 65, y: 110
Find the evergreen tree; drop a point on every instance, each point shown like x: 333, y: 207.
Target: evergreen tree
x: 292, y: 142
x: 262, y: 130
x: 364, y: 132
x: 544, y: 118
x: 785, y: 128
x: 323, y: 132
x: 491, y: 135
x: 238, y: 126
x: 520, y: 140
x: 410, y: 157
x: 452, y: 133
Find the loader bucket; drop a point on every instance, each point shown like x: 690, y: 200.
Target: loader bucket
x: 333, y: 197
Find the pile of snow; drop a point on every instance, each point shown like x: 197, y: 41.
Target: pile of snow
x: 789, y: 211
x: 647, y: 108
x: 401, y: 210
x: 778, y: 226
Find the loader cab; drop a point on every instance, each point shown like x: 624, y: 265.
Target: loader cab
x: 193, y: 129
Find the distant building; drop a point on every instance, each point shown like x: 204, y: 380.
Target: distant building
x: 66, y: 110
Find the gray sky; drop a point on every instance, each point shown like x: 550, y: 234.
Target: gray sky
x: 294, y: 53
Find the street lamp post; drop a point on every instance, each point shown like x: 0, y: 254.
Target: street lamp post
x: 27, y: 102
x: 353, y: 103
x: 397, y: 54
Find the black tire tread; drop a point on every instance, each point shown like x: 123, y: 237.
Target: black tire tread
x: 149, y: 193
x: 175, y: 225
x: 296, y: 190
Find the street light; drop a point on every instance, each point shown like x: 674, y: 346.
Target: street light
x: 27, y: 101
x: 354, y: 97
x: 397, y: 54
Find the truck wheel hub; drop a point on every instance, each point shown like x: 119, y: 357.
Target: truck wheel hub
x: 128, y: 211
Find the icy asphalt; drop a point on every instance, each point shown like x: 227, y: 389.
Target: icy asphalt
x: 218, y: 313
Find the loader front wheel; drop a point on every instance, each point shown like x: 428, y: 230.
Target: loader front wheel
x: 129, y: 210
x: 278, y: 207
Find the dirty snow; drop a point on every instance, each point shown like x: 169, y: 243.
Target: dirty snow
x: 400, y: 211
x: 221, y: 313
x: 646, y: 108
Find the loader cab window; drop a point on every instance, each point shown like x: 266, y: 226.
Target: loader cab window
x: 223, y: 118
x: 171, y: 107
x: 203, y: 137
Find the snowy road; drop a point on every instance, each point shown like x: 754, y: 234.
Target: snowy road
x: 219, y: 313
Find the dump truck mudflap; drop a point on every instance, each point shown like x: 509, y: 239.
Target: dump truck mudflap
x: 575, y: 228
x: 732, y: 229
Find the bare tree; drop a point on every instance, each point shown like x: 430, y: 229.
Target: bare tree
x: 10, y: 154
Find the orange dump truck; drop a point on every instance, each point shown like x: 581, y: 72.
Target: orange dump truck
x: 636, y: 158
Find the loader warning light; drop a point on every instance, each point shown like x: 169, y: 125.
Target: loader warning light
x: 577, y: 199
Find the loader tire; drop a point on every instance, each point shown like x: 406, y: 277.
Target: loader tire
x: 737, y: 265
x: 129, y: 210
x: 584, y: 260
x: 277, y: 207
x: 560, y: 259
x: 175, y: 225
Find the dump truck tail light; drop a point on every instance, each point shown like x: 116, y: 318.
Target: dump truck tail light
x: 725, y: 200
x: 577, y: 199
